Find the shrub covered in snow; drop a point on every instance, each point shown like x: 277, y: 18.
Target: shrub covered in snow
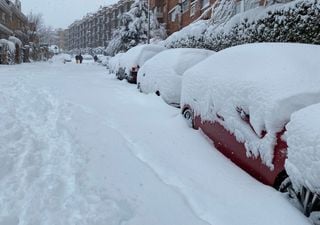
x: 19, y: 51
x: 268, y: 82
x: 297, y: 21
x: 7, y: 52
x: 16, y: 41
x: 134, y: 30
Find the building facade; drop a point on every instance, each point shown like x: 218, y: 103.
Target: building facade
x: 95, y: 29
x: 176, y: 14
x: 12, y: 21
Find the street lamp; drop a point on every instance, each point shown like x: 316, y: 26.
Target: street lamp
x: 148, y: 21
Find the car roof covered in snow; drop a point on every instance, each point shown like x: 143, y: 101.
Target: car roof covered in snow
x: 138, y: 55
x: 178, y: 59
x: 163, y: 71
x: 268, y: 81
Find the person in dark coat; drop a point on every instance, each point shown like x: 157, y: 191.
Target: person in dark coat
x: 77, y: 59
x: 80, y: 58
x: 95, y: 58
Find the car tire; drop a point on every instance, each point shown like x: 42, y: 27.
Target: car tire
x: 139, y: 87
x: 188, y: 116
x: 298, y: 199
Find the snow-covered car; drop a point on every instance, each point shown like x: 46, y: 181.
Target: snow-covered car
x: 243, y: 97
x: 162, y: 74
x: 114, y: 63
x: 87, y: 59
x: 67, y: 58
x: 102, y: 59
x: 303, y: 163
x: 134, y: 59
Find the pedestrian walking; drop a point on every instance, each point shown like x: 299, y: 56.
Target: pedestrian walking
x: 80, y: 58
x: 77, y: 59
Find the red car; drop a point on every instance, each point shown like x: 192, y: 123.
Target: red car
x: 243, y: 97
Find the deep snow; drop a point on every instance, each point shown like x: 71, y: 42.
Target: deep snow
x: 78, y: 146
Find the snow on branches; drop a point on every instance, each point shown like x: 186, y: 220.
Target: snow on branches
x: 296, y: 21
x: 134, y: 29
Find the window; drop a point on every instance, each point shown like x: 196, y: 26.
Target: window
x: 251, y: 4
x: 192, y: 9
x: 244, y: 5
x: 238, y: 7
x: 205, y: 3
x: 185, y: 5
x: 174, y: 14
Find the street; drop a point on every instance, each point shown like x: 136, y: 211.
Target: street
x: 77, y: 146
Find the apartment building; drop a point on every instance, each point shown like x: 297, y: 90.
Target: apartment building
x: 12, y: 20
x: 95, y: 29
x: 176, y: 14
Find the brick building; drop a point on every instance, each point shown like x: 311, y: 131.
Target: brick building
x: 176, y: 14
x: 12, y: 20
x: 95, y: 29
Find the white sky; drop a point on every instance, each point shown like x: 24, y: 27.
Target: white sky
x: 61, y: 13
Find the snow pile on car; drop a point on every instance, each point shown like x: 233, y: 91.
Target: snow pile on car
x: 303, y: 138
x: 139, y: 55
x: 114, y: 63
x: 60, y: 57
x: 164, y: 71
x: 262, y: 83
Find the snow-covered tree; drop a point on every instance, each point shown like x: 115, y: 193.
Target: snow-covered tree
x: 222, y: 11
x: 134, y: 29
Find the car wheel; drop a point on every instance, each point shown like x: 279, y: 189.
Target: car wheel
x: 309, y: 201
x: 286, y: 186
x: 188, y: 116
x: 301, y: 200
x: 139, y: 87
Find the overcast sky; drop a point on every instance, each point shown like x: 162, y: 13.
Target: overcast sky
x: 61, y: 13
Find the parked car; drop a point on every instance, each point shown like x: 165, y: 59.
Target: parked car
x: 302, y: 165
x: 103, y: 60
x: 114, y: 64
x: 133, y: 59
x: 87, y: 59
x: 243, y: 97
x: 67, y: 58
x: 162, y: 74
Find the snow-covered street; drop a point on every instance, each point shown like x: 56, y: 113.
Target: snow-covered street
x: 78, y: 146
